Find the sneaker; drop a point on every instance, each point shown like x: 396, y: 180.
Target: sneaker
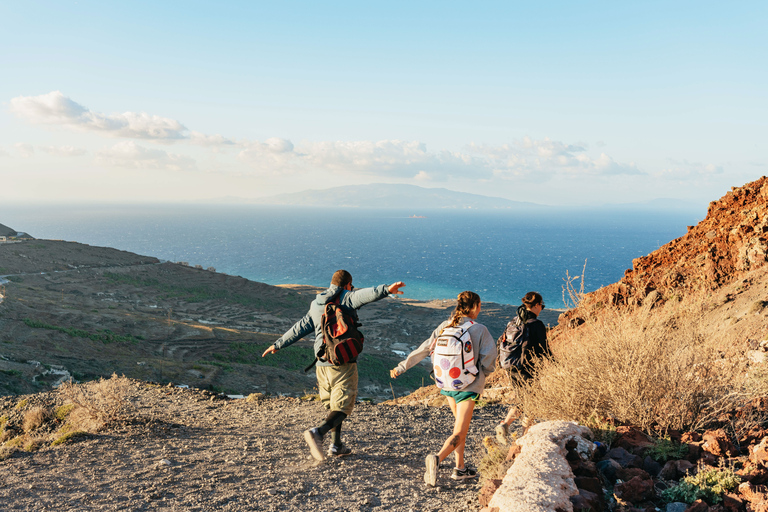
x: 339, y: 451
x: 463, y: 474
x: 315, y: 442
x: 502, y: 432
x: 430, y: 476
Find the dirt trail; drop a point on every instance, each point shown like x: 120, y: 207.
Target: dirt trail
x: 185, y: 450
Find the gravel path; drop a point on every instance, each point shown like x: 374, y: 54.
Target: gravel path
x: 187, y: 450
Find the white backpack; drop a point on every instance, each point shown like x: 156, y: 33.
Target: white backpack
x: 453, y: 358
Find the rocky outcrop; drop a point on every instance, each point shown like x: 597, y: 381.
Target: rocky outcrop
x: 541, y: 478
x: 731, y: 241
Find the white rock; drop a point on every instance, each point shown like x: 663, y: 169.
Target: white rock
x: 541, y: 480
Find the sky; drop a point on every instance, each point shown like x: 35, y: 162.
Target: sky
x: 561, y: 103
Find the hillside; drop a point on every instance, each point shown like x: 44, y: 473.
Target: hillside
x: 721, y: 264
x: 88, y: 312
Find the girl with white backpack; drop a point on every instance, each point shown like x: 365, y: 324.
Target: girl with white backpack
x: 463, y: 353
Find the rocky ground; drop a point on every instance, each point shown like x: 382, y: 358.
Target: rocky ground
x: 189, y: 450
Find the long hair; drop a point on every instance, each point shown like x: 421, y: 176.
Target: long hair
x: 531, y: 299
x: 466, y: 303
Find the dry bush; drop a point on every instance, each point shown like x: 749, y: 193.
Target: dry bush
x: 36, y: 418
x: 97, y: 403
x: 494, y: 464
x: 655, y: 370
x: 7, y: 451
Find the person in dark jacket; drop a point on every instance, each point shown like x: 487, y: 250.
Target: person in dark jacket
x: 337, y: 385
x: 535, y: 348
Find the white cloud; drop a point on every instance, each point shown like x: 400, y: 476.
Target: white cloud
x: 684, y: 170
x: 200, y: 139
x: 129, y: 154
x: 25, y: 150
x: 272, y: 156
x: 546, y: 158
x: 56, y: 109
x: 386, y: 158
x: 63, y: 150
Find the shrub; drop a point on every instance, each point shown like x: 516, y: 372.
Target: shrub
x: 96, y: 403
x: 708, y: 484
x: 654, y: 369
x: 665, y: 449
x: 62, y: 412
x: 35, y: 418
x: 493, y: 465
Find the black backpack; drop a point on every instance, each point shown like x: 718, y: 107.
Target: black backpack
x: 512, y: 345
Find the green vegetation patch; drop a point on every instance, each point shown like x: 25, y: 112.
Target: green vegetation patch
x: 62, y: 412
x: 665, y: 449
x: 103, y: 335
x: 71, y: 437
x: 709, y: 484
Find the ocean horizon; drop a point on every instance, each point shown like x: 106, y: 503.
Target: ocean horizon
x: 499, y: 254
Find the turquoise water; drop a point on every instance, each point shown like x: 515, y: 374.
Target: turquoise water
x: 500, y: 255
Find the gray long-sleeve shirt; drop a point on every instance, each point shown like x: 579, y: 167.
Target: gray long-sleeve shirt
x: 313, y: 320
x: 483, y: 347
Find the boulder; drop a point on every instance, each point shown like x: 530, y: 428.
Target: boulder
x: 717, y: 443
x: 540, y: 479
x: 635, y: 490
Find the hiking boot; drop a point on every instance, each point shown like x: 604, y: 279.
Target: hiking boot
x: 463, y: 474
x: 339, y: 451
x: 315, y: 442
x: 502, y: 432
x: 430, y: 476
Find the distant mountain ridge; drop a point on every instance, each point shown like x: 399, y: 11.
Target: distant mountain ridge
x: 382, y: 195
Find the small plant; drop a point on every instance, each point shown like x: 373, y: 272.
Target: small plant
x: 494, y: 464
x: 35, y: 418
x: 22, y: 404
x: 758, y: 306
x: 62, y: 412
x: 70, y: 436
x: 708, y: 484
x: 572, y: 296
x: 665, y: 449
x: 604, y: 430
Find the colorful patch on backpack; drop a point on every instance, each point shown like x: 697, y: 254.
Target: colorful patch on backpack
x: 438, y: 371
x: 445, y: 364
x: 468, y: 347
x: 454, y: 373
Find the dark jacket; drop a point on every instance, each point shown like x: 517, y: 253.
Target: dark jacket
x: 536, y: 345
x: 312, y: 321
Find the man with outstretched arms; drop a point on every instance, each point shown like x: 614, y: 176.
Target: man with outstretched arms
x: 337, y: 384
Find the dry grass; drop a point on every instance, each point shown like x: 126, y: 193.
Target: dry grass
x: 494, y: 465
x: 657, y: 370
x: 96, y: 403
x: 36, y: 418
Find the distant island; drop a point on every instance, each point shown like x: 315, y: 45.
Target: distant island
x: 395, y: 196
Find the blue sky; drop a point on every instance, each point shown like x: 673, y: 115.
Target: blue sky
x: 549, y: 102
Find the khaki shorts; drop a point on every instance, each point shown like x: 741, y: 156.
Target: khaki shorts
x: 338, y: 387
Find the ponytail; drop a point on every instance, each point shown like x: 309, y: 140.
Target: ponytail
x: 466, y: 302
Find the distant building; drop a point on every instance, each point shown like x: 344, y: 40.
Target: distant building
x: 3, y: 239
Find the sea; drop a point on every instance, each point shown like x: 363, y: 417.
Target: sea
x: 499, y: 254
